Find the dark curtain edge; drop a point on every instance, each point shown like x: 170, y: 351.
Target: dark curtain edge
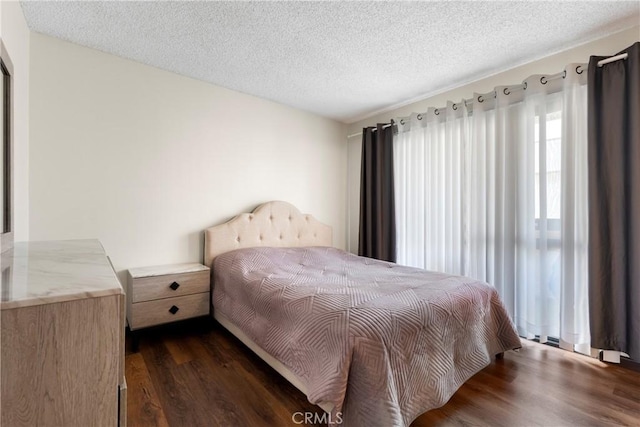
x: 614, y: 203
x: 377, y: 234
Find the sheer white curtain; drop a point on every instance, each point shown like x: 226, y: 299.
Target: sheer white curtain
x: 428, y: 158
x: 491, y: 161
x: 574, y: 303
x: 499, y: 194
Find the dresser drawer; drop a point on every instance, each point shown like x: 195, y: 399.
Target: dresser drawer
x: 150, y: 313
x: 157, y: 287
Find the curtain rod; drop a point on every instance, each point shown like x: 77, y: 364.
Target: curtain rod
x: 520, y: 86
x: 374, y: 129
x: 613, y: 59
x: 507, y: 90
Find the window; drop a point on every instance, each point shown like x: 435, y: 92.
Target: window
x: 548, y: 168
x: 548, y: 206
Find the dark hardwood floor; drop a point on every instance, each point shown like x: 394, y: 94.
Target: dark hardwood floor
x: 195, y: 373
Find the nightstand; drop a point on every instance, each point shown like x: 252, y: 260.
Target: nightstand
x: 167, y: 293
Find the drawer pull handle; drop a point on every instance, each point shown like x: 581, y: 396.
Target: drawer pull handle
x: 174, y: 285
x: 173, y: 309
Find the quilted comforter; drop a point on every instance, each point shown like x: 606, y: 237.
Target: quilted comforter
x: 382, y: 342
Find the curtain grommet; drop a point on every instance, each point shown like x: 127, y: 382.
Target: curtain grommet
x: 419, y: 116
x: 436, y: 112
x: 578, y: 70
x: 543, y: 80
x: 480, y: 98
x: 506, y: 91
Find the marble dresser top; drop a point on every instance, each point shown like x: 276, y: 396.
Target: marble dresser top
x: 35, y: 273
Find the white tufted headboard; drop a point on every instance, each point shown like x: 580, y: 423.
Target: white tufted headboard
x: 270, y: 224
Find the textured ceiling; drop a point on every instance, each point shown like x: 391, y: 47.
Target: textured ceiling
x: 343, y: 60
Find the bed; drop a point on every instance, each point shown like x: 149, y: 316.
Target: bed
x: 370, y: 342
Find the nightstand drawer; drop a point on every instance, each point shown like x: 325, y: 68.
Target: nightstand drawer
x: 150, y: 313
x: 169, y: 286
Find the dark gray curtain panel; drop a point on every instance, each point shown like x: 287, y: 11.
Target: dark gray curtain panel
x: 377, y: 237
x: 614, y: 203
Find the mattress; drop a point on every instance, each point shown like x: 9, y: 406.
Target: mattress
x: 382, y: 342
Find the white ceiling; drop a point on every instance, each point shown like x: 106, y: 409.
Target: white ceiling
x: 343, y: 60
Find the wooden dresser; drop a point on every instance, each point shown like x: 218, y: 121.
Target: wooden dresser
x: 62, y: 336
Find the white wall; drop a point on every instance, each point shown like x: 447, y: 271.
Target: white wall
x: 145, y: 159
x: 549, y: 65
x: 15, y: 36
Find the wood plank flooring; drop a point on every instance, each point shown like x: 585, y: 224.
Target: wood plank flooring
x: 195, y: 373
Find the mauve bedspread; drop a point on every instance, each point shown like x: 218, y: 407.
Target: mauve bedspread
x: 384, y: 343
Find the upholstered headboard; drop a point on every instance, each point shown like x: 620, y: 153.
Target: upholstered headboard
x: 270, y: 224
